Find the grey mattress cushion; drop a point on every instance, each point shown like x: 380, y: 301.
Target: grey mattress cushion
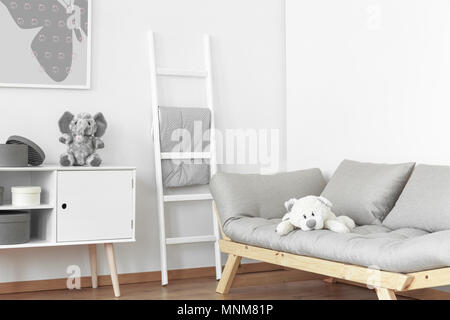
x: 366, y: 192
x: 262, y: 195
x: 183, y: 130
x: 403, y: 250
x: 425, y: 201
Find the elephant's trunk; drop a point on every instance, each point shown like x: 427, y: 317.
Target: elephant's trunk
x: 82, y: 128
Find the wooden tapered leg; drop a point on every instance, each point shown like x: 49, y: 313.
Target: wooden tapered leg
x: 112, y: 268
x: 385, y: 294
x: 93, y: 261
x: 330, y: 280
x: 229, y: 272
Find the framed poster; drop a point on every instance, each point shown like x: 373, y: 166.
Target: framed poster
x: 45, y: 43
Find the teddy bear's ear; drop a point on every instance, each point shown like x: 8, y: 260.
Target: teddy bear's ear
x: 325, y: 201
x: 289, y: 204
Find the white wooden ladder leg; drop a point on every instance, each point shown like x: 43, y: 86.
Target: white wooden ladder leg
x: 157, y: 152
x: 212, y: 147
x: 217, y: 253
x: 162, y: 243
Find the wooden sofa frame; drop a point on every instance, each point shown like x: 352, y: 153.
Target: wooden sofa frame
x: 386, y: 284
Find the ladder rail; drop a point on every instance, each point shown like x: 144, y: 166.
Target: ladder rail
x: 159, y: 156
x: 158, y: 169
x: 212, y: 146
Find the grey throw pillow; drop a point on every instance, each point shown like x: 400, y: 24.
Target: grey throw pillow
x: 255, y: 195
x: 366, y: 192
x: 425, y: 202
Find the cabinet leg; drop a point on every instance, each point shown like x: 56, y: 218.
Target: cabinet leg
x: 93, y: 261
x: 112, y: 268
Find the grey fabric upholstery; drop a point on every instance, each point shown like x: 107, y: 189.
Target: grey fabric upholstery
x: 425, y: 201
x: 366, y: 192
x: 178, y: 173
x: 402, y: 250
x: 254, y: 195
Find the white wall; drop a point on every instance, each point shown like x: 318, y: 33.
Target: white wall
x: 248, y: 63
x: 367, y: 80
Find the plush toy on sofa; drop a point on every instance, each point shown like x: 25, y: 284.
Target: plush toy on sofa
x: 82, y: 134
x: 312, y: 213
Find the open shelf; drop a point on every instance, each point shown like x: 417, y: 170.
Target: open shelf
x: 40, y: 243
x: 10, y: 207
x: 34, y: 243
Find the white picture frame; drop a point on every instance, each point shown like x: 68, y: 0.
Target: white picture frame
x: 87, y: 53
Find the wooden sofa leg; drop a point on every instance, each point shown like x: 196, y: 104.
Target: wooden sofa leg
x: 330, y: 280
x: 385, y: 294
x: 229, y: 272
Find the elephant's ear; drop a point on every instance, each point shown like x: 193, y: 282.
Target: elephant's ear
x: 101, y: 124
x: 64, y: 122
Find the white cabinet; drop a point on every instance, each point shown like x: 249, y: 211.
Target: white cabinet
x: 79, y: 206
x: 95, y: 205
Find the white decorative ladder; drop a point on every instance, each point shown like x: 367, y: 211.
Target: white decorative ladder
x: 163, y: 197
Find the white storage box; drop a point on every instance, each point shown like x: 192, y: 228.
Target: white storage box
x: 26, y: 196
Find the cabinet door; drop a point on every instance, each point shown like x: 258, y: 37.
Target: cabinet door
x: 95, y: 205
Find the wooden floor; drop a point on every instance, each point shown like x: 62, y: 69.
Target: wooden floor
x: 204, y: 289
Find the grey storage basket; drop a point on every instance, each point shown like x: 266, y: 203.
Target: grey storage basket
x: 14, y: 227
x: 35, y: 154
x: 12, y: 155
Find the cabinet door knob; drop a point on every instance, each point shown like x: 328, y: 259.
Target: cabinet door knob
x: 64, y: 206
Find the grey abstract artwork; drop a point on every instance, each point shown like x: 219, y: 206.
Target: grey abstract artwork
x: 55, y: 37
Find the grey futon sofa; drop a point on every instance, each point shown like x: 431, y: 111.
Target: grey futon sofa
x: 402, y: 212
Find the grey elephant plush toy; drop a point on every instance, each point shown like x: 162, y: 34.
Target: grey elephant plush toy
x: 82, y: 135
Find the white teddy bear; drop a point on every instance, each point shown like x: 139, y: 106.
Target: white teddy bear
x: 312, y: 213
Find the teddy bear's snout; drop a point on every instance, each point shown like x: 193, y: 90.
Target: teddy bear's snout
x: 311, y: 223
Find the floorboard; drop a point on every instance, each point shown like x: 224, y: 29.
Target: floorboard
x: 204, y: 289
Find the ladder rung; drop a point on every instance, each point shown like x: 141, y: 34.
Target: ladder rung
x: 187, y: 197
x: 188, y: 107
x: 197, y: 239
x: 181, y: 73
x: 185, y: 155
